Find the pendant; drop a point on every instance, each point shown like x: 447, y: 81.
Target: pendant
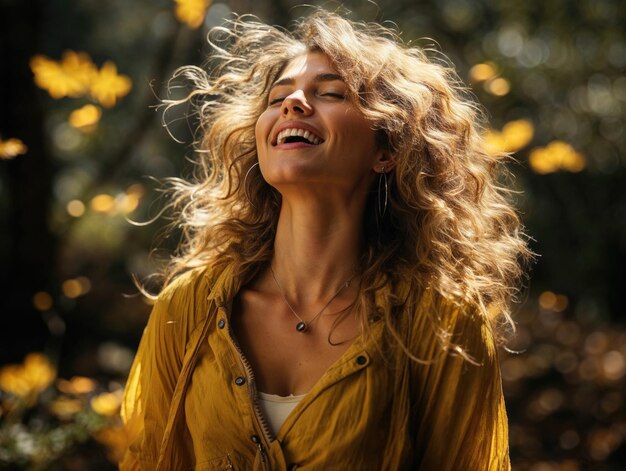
x: 300, y: 326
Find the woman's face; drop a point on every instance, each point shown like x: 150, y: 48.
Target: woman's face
x: 312, y: 133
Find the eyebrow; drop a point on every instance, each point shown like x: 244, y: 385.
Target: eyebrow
x: 318, y: 78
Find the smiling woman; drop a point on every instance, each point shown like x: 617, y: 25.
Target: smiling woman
x: 347, y: 259
x: 310, y: 97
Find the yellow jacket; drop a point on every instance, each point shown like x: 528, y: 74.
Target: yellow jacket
x: 191, y: 402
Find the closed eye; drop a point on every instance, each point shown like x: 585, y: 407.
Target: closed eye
x: 275, y: 101
x: 334, y: 95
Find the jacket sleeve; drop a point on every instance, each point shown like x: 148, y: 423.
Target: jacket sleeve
x: 464, y: 423
x: 155, y: 371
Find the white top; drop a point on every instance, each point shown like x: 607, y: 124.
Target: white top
x: 276, y: 408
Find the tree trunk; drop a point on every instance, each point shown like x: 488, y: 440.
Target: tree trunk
x: 28, y: 247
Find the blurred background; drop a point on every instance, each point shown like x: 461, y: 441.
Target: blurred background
x: 82, y: 150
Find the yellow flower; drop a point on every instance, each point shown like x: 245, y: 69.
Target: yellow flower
x: 65, y: 407
x: 85, y: 118
x: 29, y: 378
x: 76, y: 385
x: 557, y: 155
x: 13, y: 381
x: 191, y: 12
x: 107, y: 404
x: 108, y: 86
x: 12, y: 148
x: 38, y: 371
x: 70, y: 77
x: 517, y: 134
x: 514, y: 136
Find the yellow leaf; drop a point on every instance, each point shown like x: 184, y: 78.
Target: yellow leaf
x: 65, y: 407
x: 12, y: 380
x: 517, y: 134
x: 39, y: 371
x: 557, y: 155
x: 107, y: 404
x: 80, y: 66
x: 191, y: 12
x: 85, y: 118
x: 108, y: 86
x: 542, y: 162
x: 70, y: 77
x: 76, y: 385
x: 514, y: 136
x: 29, y: 378
x: 12, y: 148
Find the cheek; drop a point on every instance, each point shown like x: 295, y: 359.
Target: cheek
x: 359, y: 130
x: 263, y: 128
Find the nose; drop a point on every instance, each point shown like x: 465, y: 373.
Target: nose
x: 297, y: 104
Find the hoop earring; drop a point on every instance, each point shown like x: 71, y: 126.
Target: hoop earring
x: 245, y: 184
x: 382, y: 179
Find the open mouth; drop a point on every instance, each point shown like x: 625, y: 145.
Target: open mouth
x: 291, y: 135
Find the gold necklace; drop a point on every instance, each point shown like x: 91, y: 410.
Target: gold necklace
x: 303, y: 326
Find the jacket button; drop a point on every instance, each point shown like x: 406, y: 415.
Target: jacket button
x: 240, y: 380
x: 221, y: 323
x: 255, y: 439
x: 361, y: 360
x: 292, y: 467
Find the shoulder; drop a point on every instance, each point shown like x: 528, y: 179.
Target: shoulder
x: 194, y: 282
x: 470, y: 334
x: 183, y: 303
x: 441, y: 325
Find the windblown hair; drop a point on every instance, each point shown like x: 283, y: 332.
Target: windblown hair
x: 449, y: 226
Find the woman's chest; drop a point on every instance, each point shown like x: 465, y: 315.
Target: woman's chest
x: 286, y: 360
x: 352, y: 399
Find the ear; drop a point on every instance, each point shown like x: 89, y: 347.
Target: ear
x: 384, y: 162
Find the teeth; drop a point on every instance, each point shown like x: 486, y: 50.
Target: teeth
x: 285, y: 133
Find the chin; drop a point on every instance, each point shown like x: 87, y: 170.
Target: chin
x: 290, y: 173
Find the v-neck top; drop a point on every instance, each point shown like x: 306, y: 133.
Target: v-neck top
x: 277, y: 408
x: 191, y: 400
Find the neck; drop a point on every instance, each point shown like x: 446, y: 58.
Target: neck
x: 317, y: 249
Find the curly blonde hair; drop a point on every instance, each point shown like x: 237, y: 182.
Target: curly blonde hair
x: 449, y: 226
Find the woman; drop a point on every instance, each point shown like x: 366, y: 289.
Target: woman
x: 347, y: 259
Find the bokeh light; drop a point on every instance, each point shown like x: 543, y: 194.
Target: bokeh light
x: 75, y: 208
x: 42, y: 301
x: 498, y: 86
x: 103, y: 203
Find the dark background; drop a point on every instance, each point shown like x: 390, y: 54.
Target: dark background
x: 563, y: 63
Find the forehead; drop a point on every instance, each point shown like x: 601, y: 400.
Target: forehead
x: 309, y: 64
